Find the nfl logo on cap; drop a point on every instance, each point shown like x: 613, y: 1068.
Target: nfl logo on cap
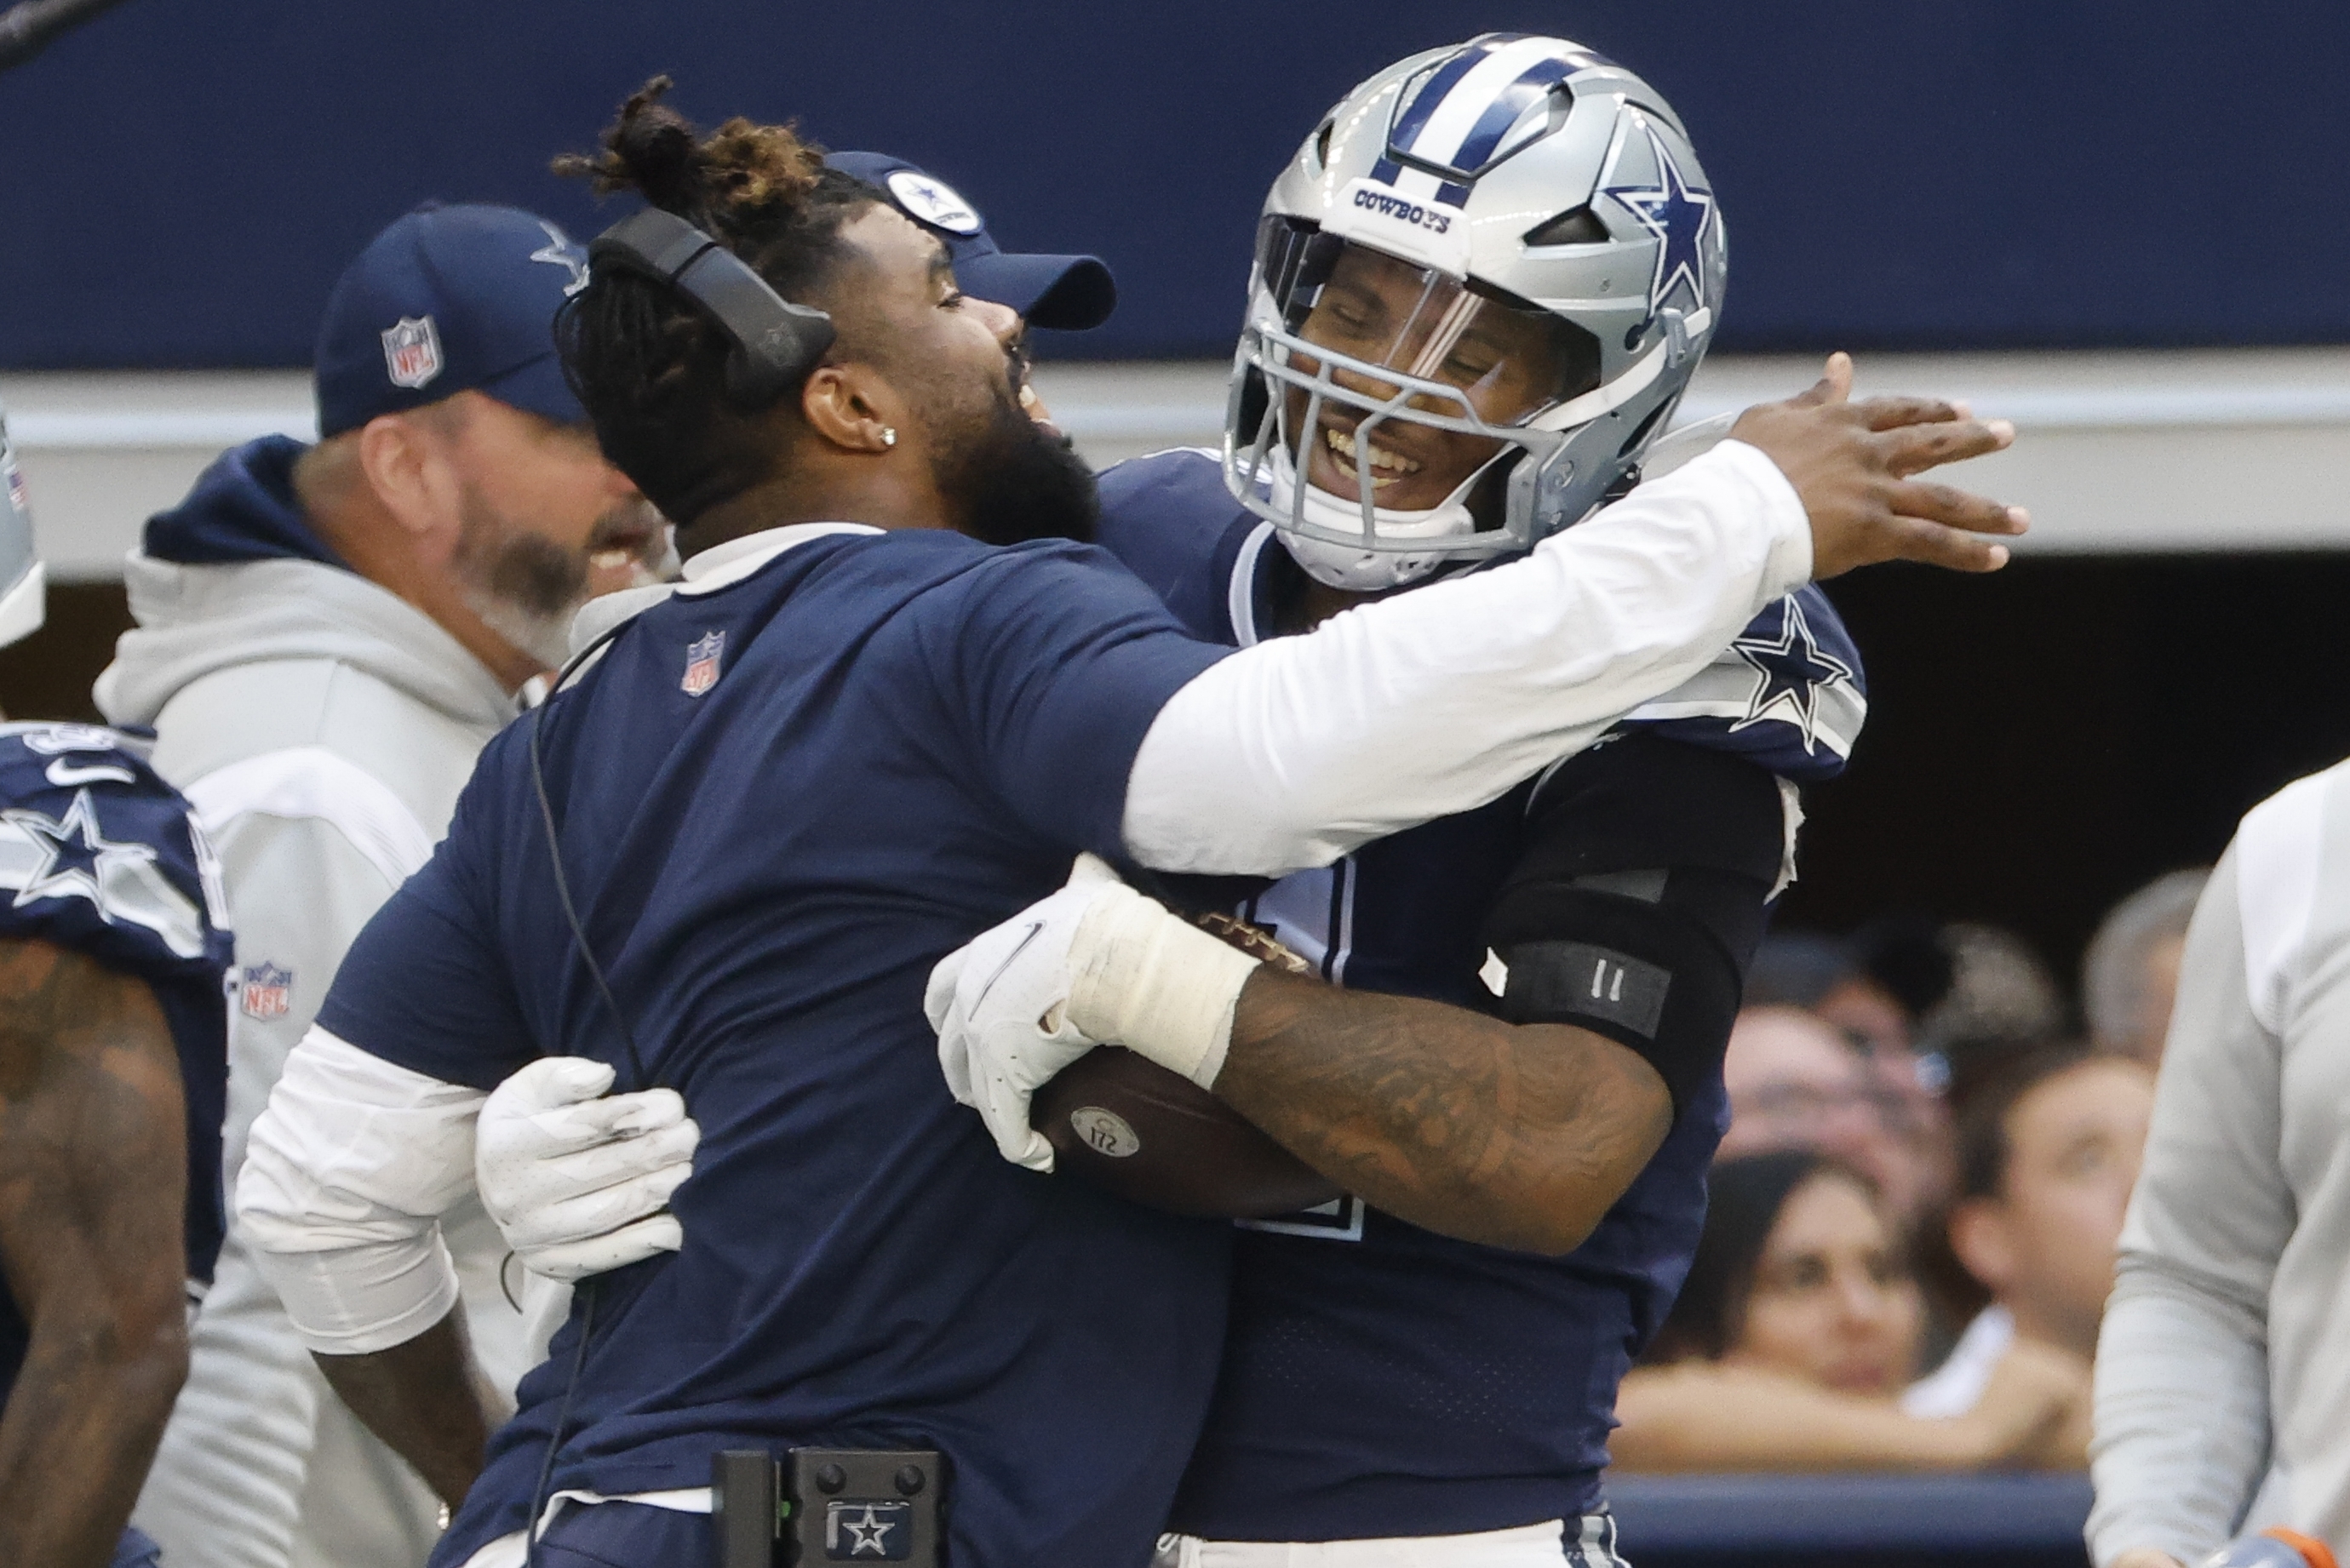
x: 412, y: 350
x: 268, y: 992
x: 702, y: 663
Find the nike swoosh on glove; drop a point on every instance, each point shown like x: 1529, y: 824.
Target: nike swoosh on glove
x: 578, y: 1180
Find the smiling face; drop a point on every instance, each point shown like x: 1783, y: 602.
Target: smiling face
x: 1506, y: 364
x: 962, y: 365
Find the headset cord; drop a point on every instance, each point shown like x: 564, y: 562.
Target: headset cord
x: 562, y: 1419
x: 640, y: 1078
x: 588, y: 1288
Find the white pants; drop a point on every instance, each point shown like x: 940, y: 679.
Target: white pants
x: 1543, y: 1546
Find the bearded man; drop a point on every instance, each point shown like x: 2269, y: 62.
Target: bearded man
x: 328, y: 634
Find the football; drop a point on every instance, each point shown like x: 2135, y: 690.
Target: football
x: 1128, y: 1126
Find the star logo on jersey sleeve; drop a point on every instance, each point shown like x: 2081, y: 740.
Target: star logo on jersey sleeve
x: 1791, y: 672
x: 76, y: 856
x: 70, y: 857
x: 1677, y: 214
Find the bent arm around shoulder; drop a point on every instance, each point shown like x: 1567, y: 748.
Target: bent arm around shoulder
x: 348, y: 1169
x: 1300, y: 749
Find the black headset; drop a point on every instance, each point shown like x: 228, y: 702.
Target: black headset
x: 776, y: 343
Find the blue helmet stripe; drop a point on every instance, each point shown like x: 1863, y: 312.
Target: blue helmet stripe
x: 1438, y: 87
x: 1477, y: 147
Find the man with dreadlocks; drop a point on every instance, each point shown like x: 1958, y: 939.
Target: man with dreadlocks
x: 889, y: 702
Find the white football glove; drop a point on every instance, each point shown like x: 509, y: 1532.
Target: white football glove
x: 577, y: 1181
x: 1096, y: 962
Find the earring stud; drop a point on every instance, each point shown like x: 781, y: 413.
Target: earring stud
x: 889, y: 435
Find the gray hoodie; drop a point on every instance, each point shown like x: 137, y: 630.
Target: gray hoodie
x: 322, y: 727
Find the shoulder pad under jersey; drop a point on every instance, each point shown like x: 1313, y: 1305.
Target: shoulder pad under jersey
x: 1789, y: 693
x: 99, y: 855
x: 1169, y: 518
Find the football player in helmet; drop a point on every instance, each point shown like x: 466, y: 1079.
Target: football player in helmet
x: 113, y: 1066
x: 1486, y: 280
x: 1484, y: 283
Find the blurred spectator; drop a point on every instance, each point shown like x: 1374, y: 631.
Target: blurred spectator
x: 2048, y: 1151
x: 1794, y: 1337
x: 2130, y: 971
x: 1873, y: 987
x: 2000, y: 996
x: 1796, y: 1082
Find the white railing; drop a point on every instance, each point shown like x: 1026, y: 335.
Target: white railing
x: 2199, y: 450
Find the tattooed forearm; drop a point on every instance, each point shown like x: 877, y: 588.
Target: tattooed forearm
x: 93, y: 1182
x: 1516, y: 1136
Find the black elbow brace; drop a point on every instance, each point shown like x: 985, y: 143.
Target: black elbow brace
x: 1655, y: 961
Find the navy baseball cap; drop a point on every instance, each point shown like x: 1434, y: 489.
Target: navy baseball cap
x: 1070, y: 293
x: 450, y: 299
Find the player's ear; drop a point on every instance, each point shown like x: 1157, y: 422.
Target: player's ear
x: 853, y: 408
x: 412, y: 478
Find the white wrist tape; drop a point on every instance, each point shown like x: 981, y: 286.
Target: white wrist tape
x: 1155, y: 983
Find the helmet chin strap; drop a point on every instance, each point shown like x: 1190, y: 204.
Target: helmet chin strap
x: 1349, y: 566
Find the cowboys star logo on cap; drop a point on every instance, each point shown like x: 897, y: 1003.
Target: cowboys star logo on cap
x: 559, y: 250
x: 412, y: 350
x: 933, y: 202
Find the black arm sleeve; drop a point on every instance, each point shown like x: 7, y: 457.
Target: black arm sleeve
x: 1640, y: 898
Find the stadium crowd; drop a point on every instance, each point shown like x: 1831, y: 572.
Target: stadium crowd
x: 538, y: 1001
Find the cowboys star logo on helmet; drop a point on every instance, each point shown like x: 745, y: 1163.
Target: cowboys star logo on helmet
x: 1480, y: 288
x: 1676, y: 214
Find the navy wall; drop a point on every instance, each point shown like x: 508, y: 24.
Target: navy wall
x: 180, y: 183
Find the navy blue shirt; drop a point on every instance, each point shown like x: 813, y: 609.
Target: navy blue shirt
x: 98, y: 855
x: 782, y: 802
x: 1381, y: 1380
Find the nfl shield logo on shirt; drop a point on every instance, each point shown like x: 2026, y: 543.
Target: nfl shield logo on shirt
x: 268, y: 992
x: 412, y: 351
x: 702, y: 663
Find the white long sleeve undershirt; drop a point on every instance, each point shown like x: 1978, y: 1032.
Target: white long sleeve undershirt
x: 347, y: 1173
x: 1287, y: 754
x: 1292, y: 754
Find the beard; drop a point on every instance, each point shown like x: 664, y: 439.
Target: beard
x: 1005, y: 479
x: 525, y: 587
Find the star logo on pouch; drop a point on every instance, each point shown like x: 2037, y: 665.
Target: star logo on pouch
x: 1677, y: 214
x: 871, y: 1532
x: 1791, y: 670
x: 702, y: 660
x: 266, y: 992
x: 560, y: 251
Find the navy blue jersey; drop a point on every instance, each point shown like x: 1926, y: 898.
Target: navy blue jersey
x: 782, y: 801
x: 1380, y: 1380
x: 99, y: 856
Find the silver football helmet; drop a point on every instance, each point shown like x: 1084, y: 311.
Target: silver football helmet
x: 1484, y: 281
x: 23, y: 590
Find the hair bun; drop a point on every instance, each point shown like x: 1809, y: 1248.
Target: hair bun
x: 744, y: 172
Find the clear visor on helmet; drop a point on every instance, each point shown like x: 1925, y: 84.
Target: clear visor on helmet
x: 1376, y: 368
